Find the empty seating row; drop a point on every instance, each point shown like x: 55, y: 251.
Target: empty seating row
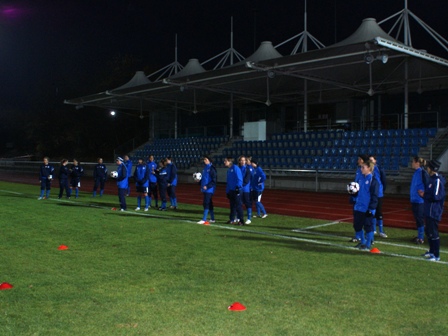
x: 339, y: 134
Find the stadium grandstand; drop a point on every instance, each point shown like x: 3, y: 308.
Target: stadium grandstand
x: 319, y: 109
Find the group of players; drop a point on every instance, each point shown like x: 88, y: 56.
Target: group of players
x: 73, y: 173
x: 245, y: 185
x: 427, y: 196
x: 150, y: 180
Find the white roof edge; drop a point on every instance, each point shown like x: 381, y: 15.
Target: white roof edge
x: 409, y: 50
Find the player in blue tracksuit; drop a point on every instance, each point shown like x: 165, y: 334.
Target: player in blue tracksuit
x: 434, y: 196
x: 172, y: 182
x: 364, y: 208
x: 153, y: 190
x: 380, y: 176
x: 128, y: 164
x: 141, y: 178
x: 418, y: 184
x: 76, y: 172
x: 245, y: 192
x: 99, y: 177
x: 122, y: 182
x: 162, y: 182
x: 46, y: 173
x: 233, y: 192
x: 257, y: 185
x: 361, y: 159
x: 208, y: 186
x: 64, y: 173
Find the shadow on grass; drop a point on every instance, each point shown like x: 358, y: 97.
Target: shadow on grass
x: 297, y: 245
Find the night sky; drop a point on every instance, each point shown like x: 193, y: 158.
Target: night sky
x: 56, y: 50
x: 64, y: 42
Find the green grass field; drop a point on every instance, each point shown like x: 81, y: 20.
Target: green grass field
x: 162, y: 274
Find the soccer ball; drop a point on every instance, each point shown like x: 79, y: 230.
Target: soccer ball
x: 113, y: 174
x: 353, y: 188
x: 197, y: 176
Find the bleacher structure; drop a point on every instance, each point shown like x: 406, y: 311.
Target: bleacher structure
x: 186, y: 152
x: 324, y: 150
x: 333, y: 150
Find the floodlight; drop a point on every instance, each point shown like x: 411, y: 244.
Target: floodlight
x: 113, y: 113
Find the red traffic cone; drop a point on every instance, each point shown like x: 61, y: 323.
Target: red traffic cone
x: 375, y: 250
x: 236, y: 306
x: 5, y: 285
x: 114, y: 209
x: 206, y: 223
x: 62, y: 247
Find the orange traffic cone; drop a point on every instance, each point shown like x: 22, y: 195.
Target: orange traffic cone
x: 375, y: 250
x: 5, y: 285
x: 62, y: 247
x: 236, y: 306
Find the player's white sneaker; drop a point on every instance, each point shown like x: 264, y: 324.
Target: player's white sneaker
x: 137, y: 208
x: 382, y: 234
x: 201, y: 222
x: 146, y: 209
x: 264, y: 216
x: 121, y: 209
x: 248, y: 221
x: 212, y: 221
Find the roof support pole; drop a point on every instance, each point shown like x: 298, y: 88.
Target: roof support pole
x: 231, y: 117
x: 406, y: 95
x: 305, y: 105
x: 175, y: 120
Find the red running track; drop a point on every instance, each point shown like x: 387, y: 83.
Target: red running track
x: 328, y: 206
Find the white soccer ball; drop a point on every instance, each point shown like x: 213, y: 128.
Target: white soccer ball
x: 353, y: 188
x: 197, y: 177
x: 113, y: 174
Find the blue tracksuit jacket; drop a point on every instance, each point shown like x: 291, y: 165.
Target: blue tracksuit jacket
x: 209, y: 179
x: 234, y: 178
x: 245, y: 173
x: 172, y: 174
x: 418, y: 182
x: 257, y: 182
x: 141, y: 175
x: 435, y: 196
x: 152, y: 167
x: 46, y: 171
x: 367, y: 198
x: 122, y: 179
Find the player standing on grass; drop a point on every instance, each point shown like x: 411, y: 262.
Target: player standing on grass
x: 141, y: 177
x: 245, y: 192
x: 380, y: 176
x: 122, y: 182
x: 208, y: 185
x: 233, y: 192
x: 128, y: 164
x: 99, y: 177
x: 45, y: 176
x: 257, y: 185
x: 76, y: 171
x: 64, y: 173
x: 434, y: 196
x: 162, y: 182
x: 361, y: 159
x: 172, y: 182
x: 418, y: 184
x: 364, y: 209
x: 152, y: 167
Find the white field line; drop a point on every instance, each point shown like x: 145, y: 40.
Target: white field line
x: 11, y: 192
x: 305, y: 240
x: 381, y: 242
